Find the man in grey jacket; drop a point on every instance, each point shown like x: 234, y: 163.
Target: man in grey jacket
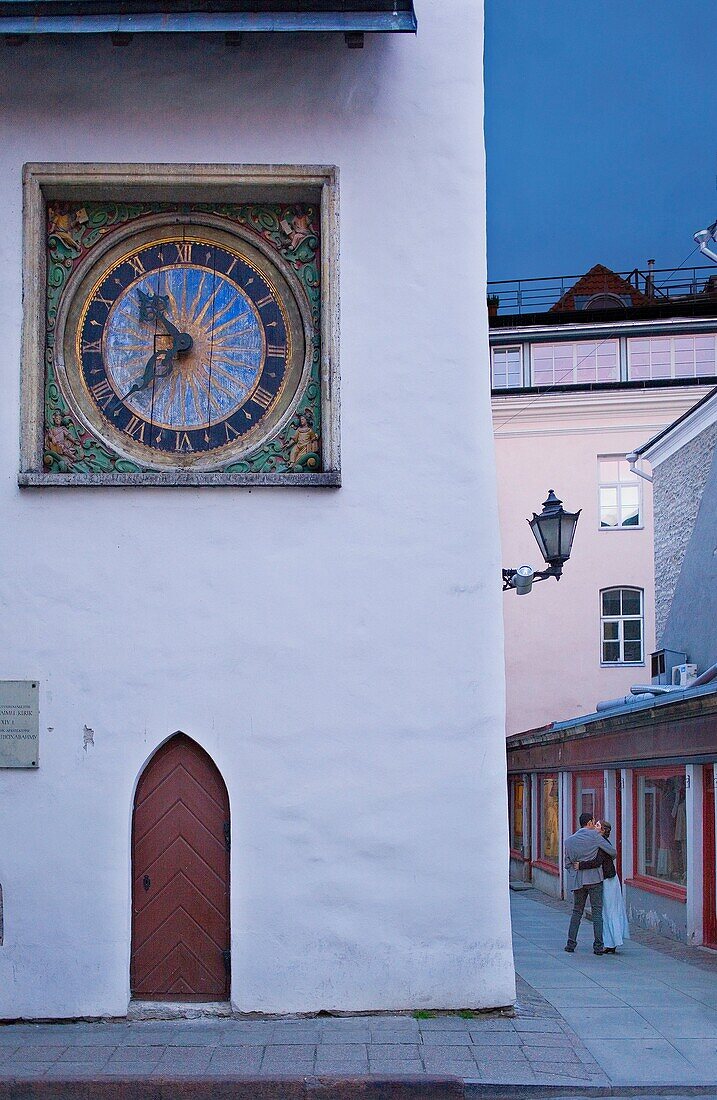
x: 583, y: 846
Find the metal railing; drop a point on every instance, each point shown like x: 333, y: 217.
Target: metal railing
x: 525, y: 296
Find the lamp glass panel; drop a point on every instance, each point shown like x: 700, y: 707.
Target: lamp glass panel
x: 537, y: 531
x: 549, y: 527
x: 568, y: 523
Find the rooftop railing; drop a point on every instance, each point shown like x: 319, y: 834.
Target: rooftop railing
x: 510, y: 297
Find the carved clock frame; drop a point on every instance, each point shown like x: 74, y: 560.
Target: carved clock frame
x: 186, y: 184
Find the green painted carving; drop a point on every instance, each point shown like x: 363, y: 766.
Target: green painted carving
x: 73, y: 229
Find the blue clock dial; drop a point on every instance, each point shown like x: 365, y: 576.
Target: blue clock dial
x: 183, y: 346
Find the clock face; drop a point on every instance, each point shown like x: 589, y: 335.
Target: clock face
x: 184, y: 346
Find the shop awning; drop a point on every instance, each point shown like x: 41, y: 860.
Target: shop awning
x: 349, y: 17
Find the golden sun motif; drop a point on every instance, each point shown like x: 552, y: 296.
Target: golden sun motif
x: 220, y: 371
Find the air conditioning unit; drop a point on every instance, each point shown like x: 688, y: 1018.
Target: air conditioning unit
x: 662, y: 664
x: 683, y: 675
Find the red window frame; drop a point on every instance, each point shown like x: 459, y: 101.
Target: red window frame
x: 516, y: 853
x: 541, y: 862
x: 709, y: 922
x: 641, y: 881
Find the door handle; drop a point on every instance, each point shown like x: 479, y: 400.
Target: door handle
x: 146, y: 882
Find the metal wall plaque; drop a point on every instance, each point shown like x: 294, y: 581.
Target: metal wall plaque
x: 19, y: 723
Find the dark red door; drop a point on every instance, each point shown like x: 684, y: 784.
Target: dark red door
x: 180, y: 877
x: 709, y: 931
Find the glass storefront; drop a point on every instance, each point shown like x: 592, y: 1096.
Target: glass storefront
x: 549, y: 819
x: 662, y: 824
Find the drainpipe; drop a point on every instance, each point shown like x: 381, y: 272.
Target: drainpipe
x: 632, y: 459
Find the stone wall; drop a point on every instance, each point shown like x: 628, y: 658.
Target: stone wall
x: 677, y: 491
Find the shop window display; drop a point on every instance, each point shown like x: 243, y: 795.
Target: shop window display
x: 549, y: 819
x: 662, y: 825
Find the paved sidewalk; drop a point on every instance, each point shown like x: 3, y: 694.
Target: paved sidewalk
x: 535, y: 1047
x: 648, y: 1018
x: 583, y: 1025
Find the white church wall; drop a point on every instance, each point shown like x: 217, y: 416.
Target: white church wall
x: 337, y: 652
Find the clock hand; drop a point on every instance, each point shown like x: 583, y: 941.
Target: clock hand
x: 152, y: 307
x: 150, y: 371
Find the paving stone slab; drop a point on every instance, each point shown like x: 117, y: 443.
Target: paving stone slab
x: 546, y: 1027
x: 358, y: 1033
x: 445, y: 1038
x: 496, y: 1038
x: 643, y: 1062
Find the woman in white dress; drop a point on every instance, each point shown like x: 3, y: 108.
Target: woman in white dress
x: 615, y: 929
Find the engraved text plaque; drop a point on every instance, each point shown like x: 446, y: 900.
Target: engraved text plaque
x: 19, y: 723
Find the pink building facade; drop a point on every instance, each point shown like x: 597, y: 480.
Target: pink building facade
x: 575, y: 389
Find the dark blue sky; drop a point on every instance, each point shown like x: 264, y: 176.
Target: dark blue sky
x: 601, y: 133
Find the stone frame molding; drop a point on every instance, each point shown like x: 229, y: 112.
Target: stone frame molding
x: 186, y: 183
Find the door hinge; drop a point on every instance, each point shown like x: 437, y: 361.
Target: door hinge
x: 227, y: 836
x: 227, y: 957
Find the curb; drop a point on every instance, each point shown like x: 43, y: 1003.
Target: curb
x: 405, y: 1087
x: 481, y: 1091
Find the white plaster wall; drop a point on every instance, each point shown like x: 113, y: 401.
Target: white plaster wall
x: 337, y: 652
x: 552, y: 635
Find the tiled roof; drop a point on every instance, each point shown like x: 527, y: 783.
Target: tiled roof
x: 598, y: 280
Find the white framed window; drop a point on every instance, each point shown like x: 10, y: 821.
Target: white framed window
x: 619, y: 494
x: 575, y: 363
x: 659, y: 357
x: 507, y: 368
x: 622, y: 626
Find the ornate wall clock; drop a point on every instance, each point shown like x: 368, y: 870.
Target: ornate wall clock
x: 183, y: 343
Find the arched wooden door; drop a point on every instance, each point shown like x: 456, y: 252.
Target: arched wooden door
x: 180, y: 878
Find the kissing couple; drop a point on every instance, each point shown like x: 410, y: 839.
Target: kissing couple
x: 590, y: 865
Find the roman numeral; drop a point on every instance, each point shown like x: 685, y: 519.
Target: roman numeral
x: 184, y: 252
x: 91, y: 346
x: 182, y: 442
x: 136, y: 264
x: 231, y: 267
x: 135, y: 428
x: 107, y: 302
x: 276, y: 351
x: 228, y: 429
x: 265, y: 301
x: 262, y: 397
x: 103, y: 394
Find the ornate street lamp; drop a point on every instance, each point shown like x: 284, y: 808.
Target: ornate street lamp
x: 554, y: 531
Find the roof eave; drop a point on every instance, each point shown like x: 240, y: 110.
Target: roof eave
x: 217, y: 22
